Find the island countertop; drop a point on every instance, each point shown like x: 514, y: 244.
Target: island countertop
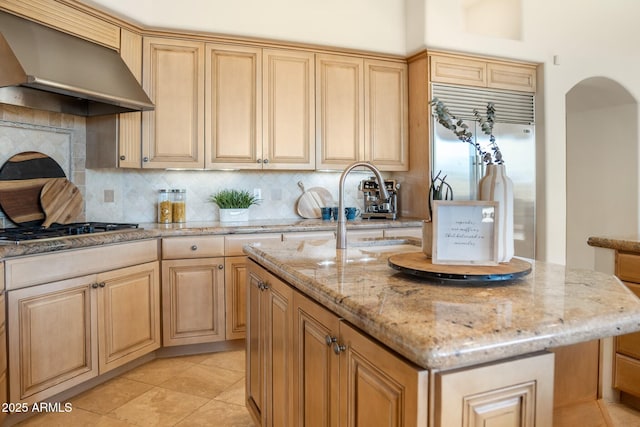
x: 441, y: 326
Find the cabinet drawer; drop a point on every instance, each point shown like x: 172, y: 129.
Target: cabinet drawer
x: 627, y: 375
x: 192, y: 247
x: 628, y: 267
x: 404, y: 232
x: 233, y: 244
x: 629, y: 344
x: 38, y: 269
x: 309, y: 235
x: 469, y: 72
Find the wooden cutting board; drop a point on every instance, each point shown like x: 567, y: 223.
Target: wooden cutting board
x: 21, y: 180
x: 61, y: 202
x: 310, y: 202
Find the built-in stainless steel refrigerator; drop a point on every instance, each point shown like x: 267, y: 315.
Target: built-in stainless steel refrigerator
x: 515, y: 135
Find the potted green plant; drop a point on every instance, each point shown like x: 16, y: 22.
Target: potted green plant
x: 234, y: 204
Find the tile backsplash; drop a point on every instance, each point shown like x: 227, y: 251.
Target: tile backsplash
x: 129, y: 195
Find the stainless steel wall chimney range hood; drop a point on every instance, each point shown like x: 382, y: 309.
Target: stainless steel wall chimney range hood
x: 47, y: 69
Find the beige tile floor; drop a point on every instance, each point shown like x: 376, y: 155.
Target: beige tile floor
x: 199, y: 390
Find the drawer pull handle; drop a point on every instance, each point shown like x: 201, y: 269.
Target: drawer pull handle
x: 330, y: 340
x: 194, y: 248
x: 337, y: 348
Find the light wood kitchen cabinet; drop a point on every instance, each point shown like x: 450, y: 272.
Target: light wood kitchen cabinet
x: 386, y: 114
x: 471, y: 71
x: 233, y: 124
x: 288, y: 110
x: 361, y: 112
x: 173, y: 77
x: 69, y: 19
x: 128, y: 314
x: 193, y: 301
x: 520, y: 394
x: 344, y: 378
x: 73, y: 315
x: 130, y: 124
x: 193, y: 290
x: 235, y: 280
x: 66, y: 332
x: 269, y: 387
x: 339, y: 110
x: 260, y: 108
x: 626, y: 376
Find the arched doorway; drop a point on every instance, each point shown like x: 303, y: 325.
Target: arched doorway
x: 602, y: 166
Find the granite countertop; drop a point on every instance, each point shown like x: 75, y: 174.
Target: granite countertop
x: 275, y: 226
x: 154, y: 230
x: 445, y: 326
x: 628, y: 243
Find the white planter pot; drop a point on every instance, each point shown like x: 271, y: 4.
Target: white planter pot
x: 497, y: 186
x: 234, y: 215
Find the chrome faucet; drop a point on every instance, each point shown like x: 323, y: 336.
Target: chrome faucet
x: 341, y: 236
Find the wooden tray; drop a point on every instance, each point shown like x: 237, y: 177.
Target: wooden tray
x: 417, y: 264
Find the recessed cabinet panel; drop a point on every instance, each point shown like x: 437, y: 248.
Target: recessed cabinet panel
x: 193, y: 301
x: 233, y: 100
x: 516, y: 393
x: 503, y: 76
x: 129, y: 308
x: 58, y: 320
x: 386, y: 111
x: 235, y: 283
x: 447, y: 69
x: 173, y: 77
x: 288, y: 109
x: 339, y: 110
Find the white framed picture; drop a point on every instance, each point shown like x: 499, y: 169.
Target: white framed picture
x: 465, y: 232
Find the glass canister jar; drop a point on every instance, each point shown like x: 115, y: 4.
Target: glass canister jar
x: 165, y: 210
x: 179, y: 205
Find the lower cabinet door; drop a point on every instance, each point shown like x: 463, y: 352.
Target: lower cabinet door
x: 193, y: 301
x: 316, y: 365
x: 235, y: 283
x: 52, y: 331
x: 515, y: 393
x: 129, y: 309
x: 377, y: 388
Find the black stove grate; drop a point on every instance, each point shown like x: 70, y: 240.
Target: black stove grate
x: 18, y: 234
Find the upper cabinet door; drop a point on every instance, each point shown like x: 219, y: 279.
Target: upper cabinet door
x: 173, y: 77
x: 288, y: 109
x: 130, y: 129
x: 233, y: 101
x: 339, y: 111
x: 386, y: 116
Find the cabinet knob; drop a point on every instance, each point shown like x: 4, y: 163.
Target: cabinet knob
x: 259, y: 161
x: 145, y: 159
x: 94, y: 285
x: 101, y: 284
x: 194, y: 247
x: 263, y: 286
x: 122, y: 158
x: 337, y: 348
x: 330, y: 340
x: 265, y: 161
x: 220, y: 266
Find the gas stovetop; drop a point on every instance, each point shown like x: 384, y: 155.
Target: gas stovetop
x: 21, y: 234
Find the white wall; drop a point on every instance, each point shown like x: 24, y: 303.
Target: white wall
x: 591, y: 38
x: 376, y: 25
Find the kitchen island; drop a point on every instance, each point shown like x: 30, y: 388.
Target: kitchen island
x: 453, y: 336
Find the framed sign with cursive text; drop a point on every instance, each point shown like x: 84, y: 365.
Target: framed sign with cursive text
x: 465, y: 232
